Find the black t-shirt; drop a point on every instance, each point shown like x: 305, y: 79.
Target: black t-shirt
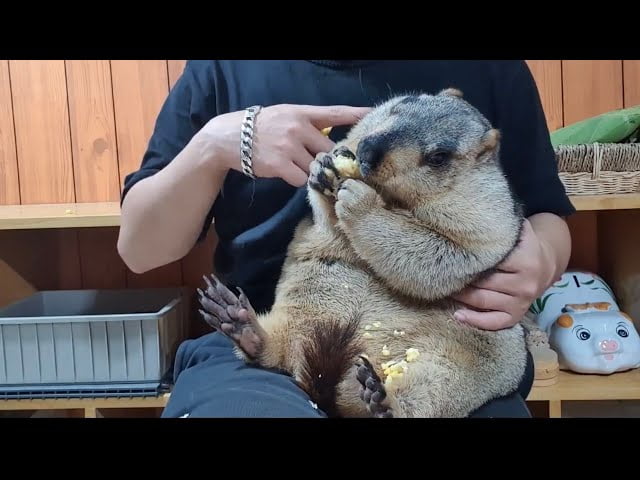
x: 255, y: 220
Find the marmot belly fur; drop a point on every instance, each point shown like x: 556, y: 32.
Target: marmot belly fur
x: 371, y: 274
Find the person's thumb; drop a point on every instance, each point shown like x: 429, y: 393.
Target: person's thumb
x: 330, y: 116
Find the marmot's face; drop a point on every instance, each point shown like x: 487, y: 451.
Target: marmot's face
x: 415, y: 147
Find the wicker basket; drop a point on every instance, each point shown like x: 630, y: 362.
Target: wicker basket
x: 599, y: 169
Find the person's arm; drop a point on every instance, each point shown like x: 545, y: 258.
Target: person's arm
x: 543, y: 254
x: 167, y: 203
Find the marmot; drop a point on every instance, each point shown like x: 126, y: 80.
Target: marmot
x: 363, y: 314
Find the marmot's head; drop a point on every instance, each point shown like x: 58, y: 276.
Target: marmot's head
x: 412, y: 148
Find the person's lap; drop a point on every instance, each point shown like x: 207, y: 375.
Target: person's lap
x: 210, y: 381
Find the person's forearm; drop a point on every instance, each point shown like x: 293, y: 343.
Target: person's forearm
x: 162, y: 215
x: 555, y: 236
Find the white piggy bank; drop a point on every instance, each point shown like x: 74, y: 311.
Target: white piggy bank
x: 574, y: 286
x: 595, y: 338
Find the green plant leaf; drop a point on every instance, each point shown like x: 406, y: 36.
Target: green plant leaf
x: 611, y: 127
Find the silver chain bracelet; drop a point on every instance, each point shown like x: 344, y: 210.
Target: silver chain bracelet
x: 246, y: 140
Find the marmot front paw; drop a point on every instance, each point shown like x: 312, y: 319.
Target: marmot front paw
x: 323, y: 175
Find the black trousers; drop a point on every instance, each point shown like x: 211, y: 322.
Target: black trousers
x: 210, y: 381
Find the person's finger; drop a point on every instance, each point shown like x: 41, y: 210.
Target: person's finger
x: 507, y: 283
x: 315, y: 142
x: 485, y: 320
x: 329, y: 116
x: 482, y: 299
x: 293, y: 175
x: 302, y: 158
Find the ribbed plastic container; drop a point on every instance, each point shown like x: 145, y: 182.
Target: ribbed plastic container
x: 81, y: 343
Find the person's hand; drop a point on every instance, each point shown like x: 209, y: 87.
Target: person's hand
x: 501, y: 300
x: 286, y: 138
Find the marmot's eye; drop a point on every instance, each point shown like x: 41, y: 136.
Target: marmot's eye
x: 583, y: 334
x: 622, y: 331
x: 437, y: 158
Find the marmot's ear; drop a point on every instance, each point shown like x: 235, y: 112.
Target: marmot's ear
x: 490, y: 141
x: 452, y: 92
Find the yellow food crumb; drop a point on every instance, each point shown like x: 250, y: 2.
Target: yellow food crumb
x: 367, y: 335
x: 385, y: 351
x: 326, y: 131
x: 376, y: 324
x: 347, y: 167
x: 398, y: 333
x: 367, y: 327
x: 412, y: 354
x: 68, y: 211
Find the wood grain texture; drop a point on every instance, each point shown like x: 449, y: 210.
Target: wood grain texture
x: 590, y: 87
x: 93, y: 135
x: 100, y: 262
x: 584, y: 241
x: 47, y: 259
x: 175, y: 70
x: 548, y: 77
x: 631, y: 82
x: 9, y: 186
x: 139, y: 89
x: 43, y: 139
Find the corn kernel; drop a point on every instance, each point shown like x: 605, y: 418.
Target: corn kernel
x: 412, y: 354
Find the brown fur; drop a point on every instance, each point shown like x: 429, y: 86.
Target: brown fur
x: 393, y: 248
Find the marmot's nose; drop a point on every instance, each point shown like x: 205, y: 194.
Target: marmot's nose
x: 371, y: 151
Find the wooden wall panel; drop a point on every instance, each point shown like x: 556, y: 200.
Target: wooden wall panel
x: 47, y: 259
x: 93, y: 135
x: 100, y: 262
x: 631, y: 70
x: 175, y: 70
x: 43, y: 139
x: 9, y: 186
x: 139, y: 89
x: 548, y: 77
x: 590, y: 87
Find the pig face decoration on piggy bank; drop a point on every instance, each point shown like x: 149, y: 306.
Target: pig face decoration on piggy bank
x: 586, y: 327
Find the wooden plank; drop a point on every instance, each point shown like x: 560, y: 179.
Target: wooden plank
x: 631, y: 82
x: 9, y: 185
x: 47, y: 259
x: 93, y: 136
x: 606, y: 202
x: 590, y: 87
x: 548, y: 77
x: 584, y: 241
x: 43, y: 137
x: 84, y: 403
x: 14, y: 286
x: 59, y: 215
x: 574, y: 386
x: 619, y: 239
x: 100, y: 262
x: 175, y: 70
x: 139, y: 89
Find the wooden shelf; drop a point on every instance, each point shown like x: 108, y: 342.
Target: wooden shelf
x: 61, y: 215
x: 107, y: 214
x: 87, y: 405
x: 574, y: 386
x: 606, y: 202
